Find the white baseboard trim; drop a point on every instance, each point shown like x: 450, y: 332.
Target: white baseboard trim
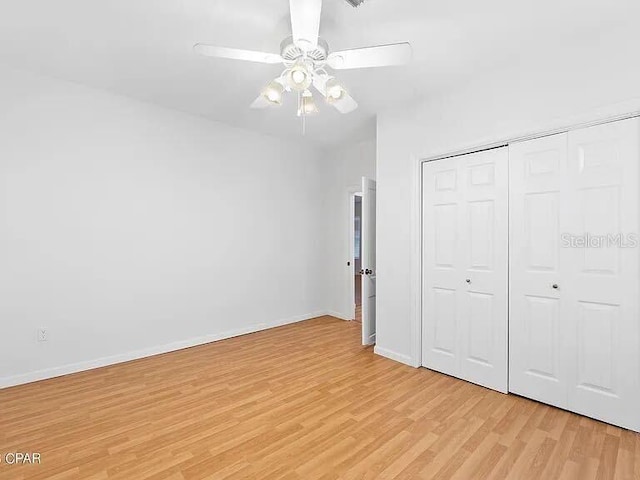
x: 53, y: 372
x: 341, y: 316
x: 390, y: 354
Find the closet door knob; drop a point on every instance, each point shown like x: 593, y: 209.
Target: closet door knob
x: 468, y: 280
x: 555, y: 286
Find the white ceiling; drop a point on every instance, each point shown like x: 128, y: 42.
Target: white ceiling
x: 143, y: 49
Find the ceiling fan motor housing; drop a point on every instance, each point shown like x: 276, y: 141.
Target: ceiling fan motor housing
x: 291, y: 53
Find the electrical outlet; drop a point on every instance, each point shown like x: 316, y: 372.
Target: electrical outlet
x: 43, y: 335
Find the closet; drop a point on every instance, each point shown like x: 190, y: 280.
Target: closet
x: 569, y: 250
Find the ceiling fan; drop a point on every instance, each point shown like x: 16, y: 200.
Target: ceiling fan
x: 307, y: 62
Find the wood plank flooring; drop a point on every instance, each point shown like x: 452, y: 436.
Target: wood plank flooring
x: 304, y: 401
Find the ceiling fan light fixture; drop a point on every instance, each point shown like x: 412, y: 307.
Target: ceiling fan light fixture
x: 305, y: 57
x: 273, y: 93
x: 307, y: 105
x: 299, y: 78
x: 334, y: 91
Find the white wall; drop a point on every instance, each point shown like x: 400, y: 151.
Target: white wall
x: 346, y: 168
x: 573, y: 86
x: 126, y: 229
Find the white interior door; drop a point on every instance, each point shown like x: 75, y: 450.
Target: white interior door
x: 443, y: 273
x: 465, y: 261
x: 601, y: 284
x: 574, y: 324
x: 538, y: 209
x: 368, y: 240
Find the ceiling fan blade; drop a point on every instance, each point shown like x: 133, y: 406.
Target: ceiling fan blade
x: 346, y: 104
x: 380, y: 56
x: 305, y: 22
x: 320, y: 84
x: 237, y: 54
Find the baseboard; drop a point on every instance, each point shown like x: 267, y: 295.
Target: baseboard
x: 53, y: 372
x: 341, y: 316
x: 390, y: 354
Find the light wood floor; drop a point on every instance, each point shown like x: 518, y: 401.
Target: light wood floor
x: 299, y: 402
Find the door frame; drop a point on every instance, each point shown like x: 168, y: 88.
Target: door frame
x: 369, y: 279
x: 417, y: 161
x: 353, y: 192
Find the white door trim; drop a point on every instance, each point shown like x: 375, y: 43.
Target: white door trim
x: 368, y: 239
x: 352, y: 193
x: 416, y: 206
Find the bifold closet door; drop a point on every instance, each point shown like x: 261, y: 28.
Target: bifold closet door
x: 465, y: 255
x: 603, y: 278
x: 574, y: 325
x: 538, y: 209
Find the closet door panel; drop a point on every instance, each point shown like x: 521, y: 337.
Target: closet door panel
x: 537, y: 359
x: 485, y: 261
x: 465, y: 255
x: 603, y: 278
x: 442, y: 289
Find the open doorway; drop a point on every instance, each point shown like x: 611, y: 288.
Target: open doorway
x: 357, y: 256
